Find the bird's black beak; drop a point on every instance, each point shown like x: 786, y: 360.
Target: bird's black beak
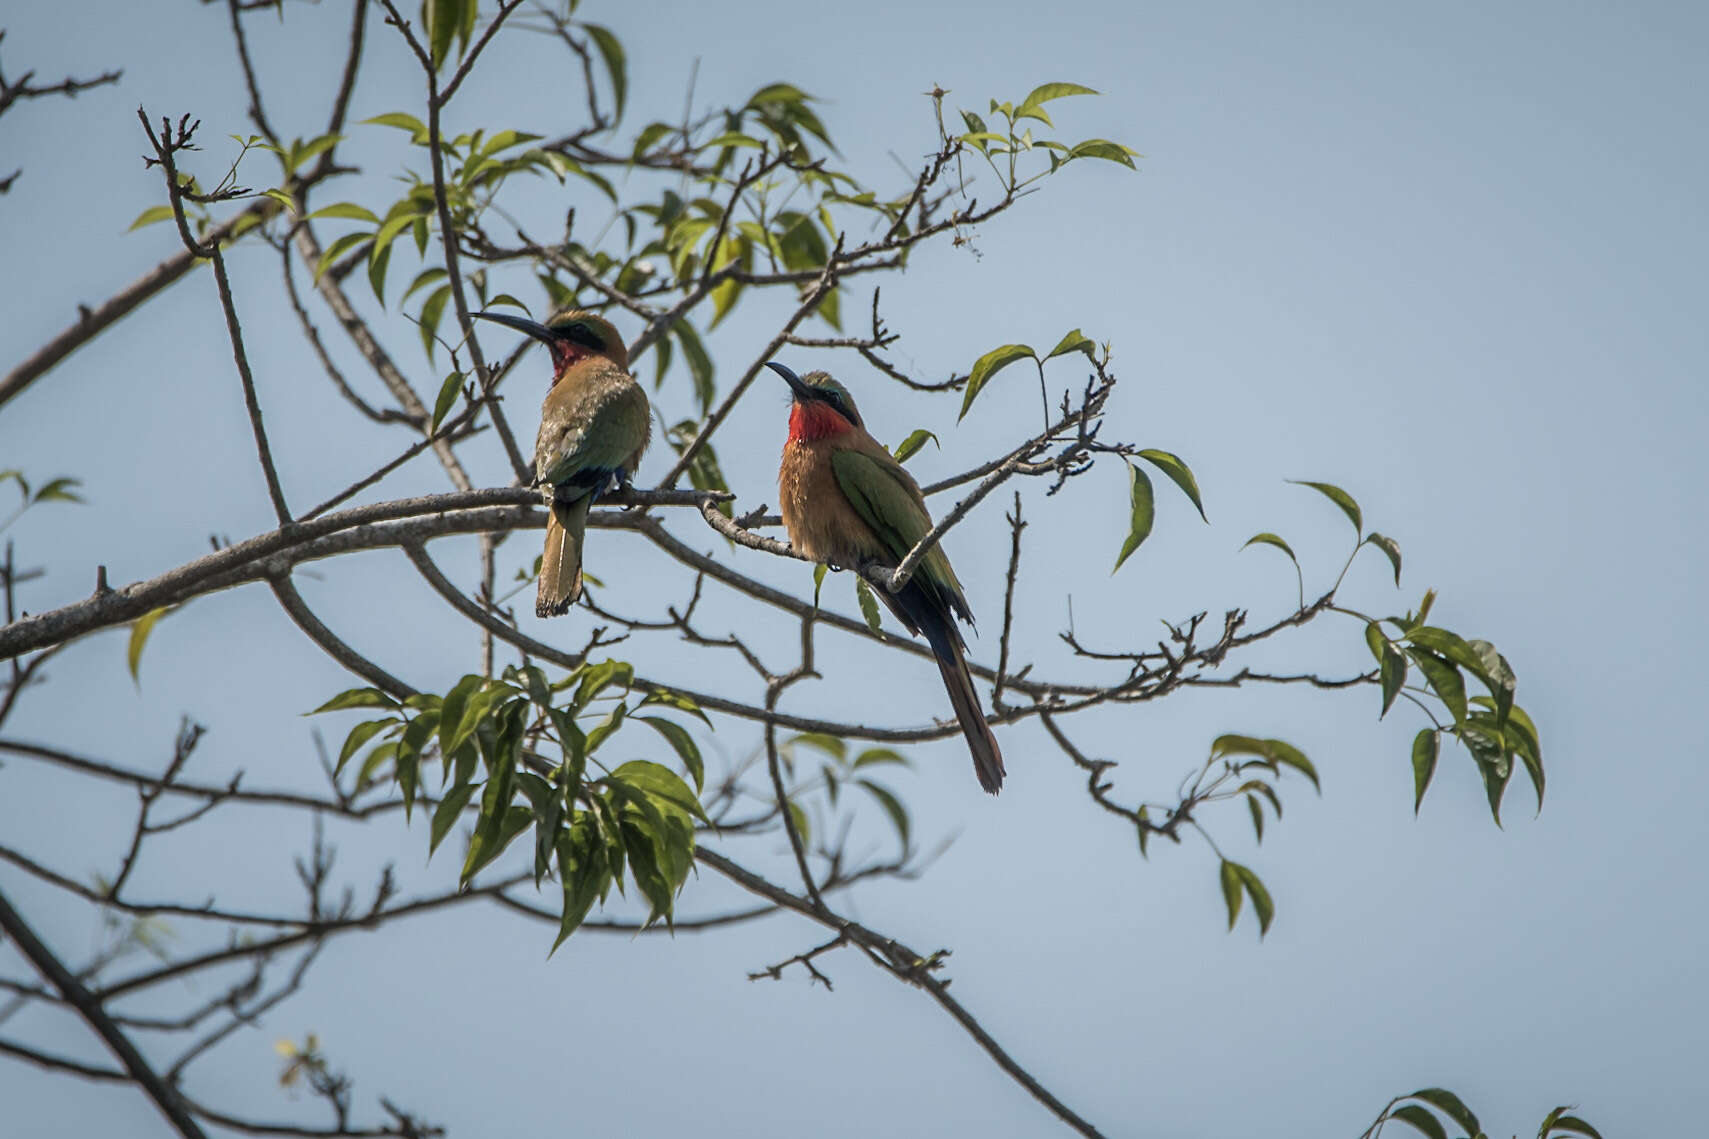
x: 801, y: 389
x: 522, y: 324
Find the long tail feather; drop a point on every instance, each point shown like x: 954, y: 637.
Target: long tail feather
x: 946, y: 647
x: 561, y: 564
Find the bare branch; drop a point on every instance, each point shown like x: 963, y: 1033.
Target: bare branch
x: 171, y: 1104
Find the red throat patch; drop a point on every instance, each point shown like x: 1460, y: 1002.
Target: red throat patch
x: 566, y: 355
x: 815, y: 420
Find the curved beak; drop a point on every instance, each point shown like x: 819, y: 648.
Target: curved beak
x: 801, y: 390
x: 522, y: 324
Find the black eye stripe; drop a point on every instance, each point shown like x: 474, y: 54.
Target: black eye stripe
x: 579, y: 333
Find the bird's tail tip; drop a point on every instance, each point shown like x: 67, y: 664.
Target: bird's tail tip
x: 988, y: 762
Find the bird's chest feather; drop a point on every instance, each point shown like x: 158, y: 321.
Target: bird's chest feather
x: 821, y: 522
x: 591, y: 422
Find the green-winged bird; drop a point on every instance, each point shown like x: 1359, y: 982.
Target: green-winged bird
x: 846, y: 501
x: 594, y: 425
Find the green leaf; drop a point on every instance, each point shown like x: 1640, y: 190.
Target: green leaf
x: 58, y: 491
x: 357, y: 698
x: 868, y: 604
x: 661, y: 784
x: 582, y: 868
x: 1488, y: 746
x: 1143, y: 508
x: 916, y: 439
x: 892, y: 806
x: 1257, y: 813
x: 1262, y: 905
x: 1424, y: 749
x: 833, y: 746
x: 666, y: 698
x: 699, y: 363
x: 422, y: 280
x: 1231, y: 891
x: 311, y: 150
x: 346, y: 210
x: 873, y: 755
x: 1444, y: 678
x: 150, y: 216
x: 446, y: 814
x: 1340, y: 498
x: 1179, y: 473
x: 1570, y: 1125
x: 606, y: 728
x: 338, y: 249
x: 598, y: 677
x: 403, y: 122
x: 1045, y: 92
x: 1274, y: 752
x: 677, y: 736
x: 432, y: 310
x: 1449, y: 1104
x: 1390, y: 662
x: 819, y: 572
x: 1388, y: 546
x: 1268, y: 539
x: 444, y: 19
x: 448, y: 390
x: 140, y: 629
x: 1075, y: 341
x: 616, y: 63
x: 379, y: 258
x: 1421, y: 1119
x: 358, y: 736
x: 1105, y: 149
x: 803, y: 826
x: 987, y: 366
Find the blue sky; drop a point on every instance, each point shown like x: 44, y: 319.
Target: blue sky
x: 1449, y: 258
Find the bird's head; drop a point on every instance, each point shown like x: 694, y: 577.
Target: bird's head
x: 572, y: 335
x: 822, y: 407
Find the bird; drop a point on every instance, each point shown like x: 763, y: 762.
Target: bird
x: 594, y: 426
x: 847, y: 502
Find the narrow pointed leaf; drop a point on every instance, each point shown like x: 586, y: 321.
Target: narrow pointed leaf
x: 140, y: 629
x: 345, y: 210
x: 892, y: 807
x: 679, y: 739
x: 1421, y: 1119
x: 916, y: 439
x: 1231, y: 891
x: 1424, y: 748
x: 1262, y: 905
x: 616, y: 62
x: 1391, y: 664
x: 1074, y: 341
x: 1340, y: 498
x: 1179, y: 473
x: 1143, y: 511
x: 1388, y: 546
x: 987, y: 366
x: 150, y: 216
x: 1268, y: 539
x: 1449, y: 1104
x: 1045, y: 92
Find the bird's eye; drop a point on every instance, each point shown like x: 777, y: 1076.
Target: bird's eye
x: 577, y: 332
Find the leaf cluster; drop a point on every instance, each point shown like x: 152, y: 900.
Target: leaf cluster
x: 595, y: 822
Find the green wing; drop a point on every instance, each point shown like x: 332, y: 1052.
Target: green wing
x: 887, y: 500
x: 615, y: 429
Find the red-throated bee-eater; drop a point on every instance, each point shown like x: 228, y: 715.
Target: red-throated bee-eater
x: 594, y: 425
x: 846, y: 501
